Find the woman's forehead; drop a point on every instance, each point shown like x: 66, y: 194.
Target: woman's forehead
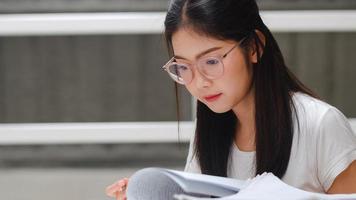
x: 188, y: 42
x: 186, y: 35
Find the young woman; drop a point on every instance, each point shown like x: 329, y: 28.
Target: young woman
x: 253, y: 114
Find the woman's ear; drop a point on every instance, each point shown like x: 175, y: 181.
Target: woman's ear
x: 261, y: 44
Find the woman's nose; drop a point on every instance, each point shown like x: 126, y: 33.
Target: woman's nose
x: 201, y: 81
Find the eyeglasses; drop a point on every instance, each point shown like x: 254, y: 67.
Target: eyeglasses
x: 210, y: 67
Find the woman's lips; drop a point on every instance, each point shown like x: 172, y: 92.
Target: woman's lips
x: 212, y: 97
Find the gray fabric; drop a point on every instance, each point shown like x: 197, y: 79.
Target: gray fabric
x: 148, y: 184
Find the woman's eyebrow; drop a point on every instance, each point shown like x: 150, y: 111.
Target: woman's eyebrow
x: 199, y: 54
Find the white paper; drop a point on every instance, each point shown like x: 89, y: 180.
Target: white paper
x: 269, y: 187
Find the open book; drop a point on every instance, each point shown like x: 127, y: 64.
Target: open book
x: 165, y: 184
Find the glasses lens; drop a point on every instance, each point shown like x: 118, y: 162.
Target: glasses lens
x: 180, y: 73
x: 211, y: 67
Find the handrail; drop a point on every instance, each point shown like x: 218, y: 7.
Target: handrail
x: 135, y: 23
x: 152, y: 22
x: 100, y: 133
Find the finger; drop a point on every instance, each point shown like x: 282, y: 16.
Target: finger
x: 125, y: 180
x: 122, y: 182
x: 116, y: 187
x: 110, y: 190
x: 120, y: 195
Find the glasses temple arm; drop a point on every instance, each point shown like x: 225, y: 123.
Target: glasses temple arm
x: 169, y: 61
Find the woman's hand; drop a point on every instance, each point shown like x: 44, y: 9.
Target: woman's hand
x: 118, y: 189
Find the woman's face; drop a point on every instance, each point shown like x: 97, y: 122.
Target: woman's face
x: 228, y: 91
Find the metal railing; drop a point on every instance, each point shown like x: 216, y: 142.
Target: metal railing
x: 152, y: 22
x: 73, y: 133
x: 135, y: 23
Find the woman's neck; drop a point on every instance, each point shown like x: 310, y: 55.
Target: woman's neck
x: 245, y: 132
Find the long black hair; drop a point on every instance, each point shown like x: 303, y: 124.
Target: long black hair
x: 272, y: 82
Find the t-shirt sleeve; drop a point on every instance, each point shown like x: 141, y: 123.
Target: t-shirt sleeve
x: 192, y: 162
x: 336, y: 146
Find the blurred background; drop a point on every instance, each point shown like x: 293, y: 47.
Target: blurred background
x: 81, y: 108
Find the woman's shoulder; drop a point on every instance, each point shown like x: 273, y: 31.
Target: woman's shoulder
x: 314, y: 114
x: 310, y: 104
x: 323, y: 143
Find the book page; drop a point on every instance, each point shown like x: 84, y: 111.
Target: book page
x: 159, y: 183
x: 233, y: 184
x: 204, y: 184
x: 269, y: 187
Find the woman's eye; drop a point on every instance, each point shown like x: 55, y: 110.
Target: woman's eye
x: 182, y: 67
x: 212, y: 61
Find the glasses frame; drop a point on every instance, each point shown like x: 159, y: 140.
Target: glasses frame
x: 220, y: 58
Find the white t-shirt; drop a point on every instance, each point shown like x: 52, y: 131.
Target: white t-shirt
x: 322, y: 148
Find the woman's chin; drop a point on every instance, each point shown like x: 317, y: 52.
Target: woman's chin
x: 219, y: 109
